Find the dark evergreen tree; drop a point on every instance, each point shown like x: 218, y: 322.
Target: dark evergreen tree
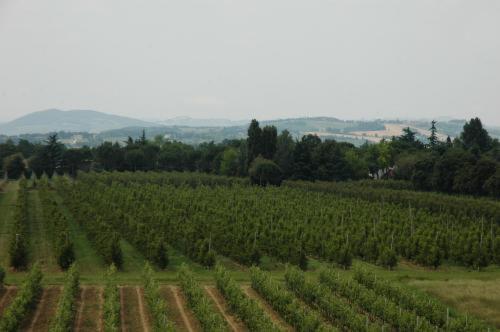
x: 53, y: 152
x: 433, y: 139
x: 14, y: 166
x: 284, y: 153
x: 269, y: 142
x: 254, y: 140
x: 475, y: 137
x: 302, y: 157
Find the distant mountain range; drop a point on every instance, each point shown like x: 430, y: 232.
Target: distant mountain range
x: 71, y: 121
x: 84, y: 127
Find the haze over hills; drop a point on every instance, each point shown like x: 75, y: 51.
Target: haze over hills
x: 85, y: 127
x: 70, y: 121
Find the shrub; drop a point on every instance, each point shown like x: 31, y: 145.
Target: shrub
x: 263, y: 172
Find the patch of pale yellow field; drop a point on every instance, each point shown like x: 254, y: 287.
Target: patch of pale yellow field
x: 477, y: 297
x: 392, y: 129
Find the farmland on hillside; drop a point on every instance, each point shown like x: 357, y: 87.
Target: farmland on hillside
x: 149, y: 251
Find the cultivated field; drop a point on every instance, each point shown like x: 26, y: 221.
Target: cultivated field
x: 158, y: 218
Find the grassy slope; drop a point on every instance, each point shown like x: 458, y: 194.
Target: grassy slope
x: 7, y: 200
x: 40, y: 242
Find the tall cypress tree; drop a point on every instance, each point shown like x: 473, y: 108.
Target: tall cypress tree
x: 269, y: 141
x: 254, y: 141
x: 433, y: 140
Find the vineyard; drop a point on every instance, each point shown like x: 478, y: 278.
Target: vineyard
x: 193, y: 252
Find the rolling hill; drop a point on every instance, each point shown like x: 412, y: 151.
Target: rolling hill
x: 84, y: 127
x: 54, y: 120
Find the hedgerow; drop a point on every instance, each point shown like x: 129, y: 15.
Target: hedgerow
x: 210, y: 320
x: 66, y: 307
x: 155, y: 302
x: 24, y: 302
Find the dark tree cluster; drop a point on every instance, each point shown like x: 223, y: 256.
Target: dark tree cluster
x: 467, y: 165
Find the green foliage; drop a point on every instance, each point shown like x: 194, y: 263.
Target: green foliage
x: 111, y: 311
x: 420, y: 303
x: 388, y: 258
x: 248, y: 310
x: 332, y: 307
x: 264, y: 172
x: 210, y: 320
x: 334, y: 222
x: 269, y: 141
x: 25, y: 301
x: 48, y: 158
x: 156, y: 304
x: 230, y: 162
x: 18, y: 246
x: 303, y: 168
x: 371, y: 302
x: 344, y: 257
x: 284, y: 302
x: 254, y: 140
x: 57, y: 226
x: 474, y: 136
x: 66, y: 307
x: 433, y: 139
x: 14, y: 166
x: 492, y: 185
x: 101, y: 233
x: 283, y: 157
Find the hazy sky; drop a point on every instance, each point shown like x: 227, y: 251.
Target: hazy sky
x: 252, y: 58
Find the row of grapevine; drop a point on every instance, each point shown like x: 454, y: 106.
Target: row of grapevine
x: 19, y: 243
x: 122, y: 220
x: 245, y: 223
x: 380, y: 306
x: 422, y: 304
x: 156, y: 304
x: 247, y: 309
x: 66, y: 307
x: 24, y: 301
x: 458, y: 206
x: 337, y: 310
x: 210, y: 320
x: 301, y: 318
x: 111, y: 307
x: 57, y: 229
x: 164, y: 178
x: 100, y: 232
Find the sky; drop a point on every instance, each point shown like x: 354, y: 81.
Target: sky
x: 264, y: 59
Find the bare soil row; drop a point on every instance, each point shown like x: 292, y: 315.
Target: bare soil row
x: 135, y: 313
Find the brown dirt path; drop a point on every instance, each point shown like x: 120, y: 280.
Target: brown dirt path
x: 39, y: 320
x: 8, y: 293
x: 145, y: 317
x: 89, y: 310
x: 183, y: 319
x: 234, y: 323
x: 267, y: 308
x: 80, y: 304
x: 131, y: 312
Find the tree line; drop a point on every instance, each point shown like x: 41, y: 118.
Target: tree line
x: 468, y: 164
